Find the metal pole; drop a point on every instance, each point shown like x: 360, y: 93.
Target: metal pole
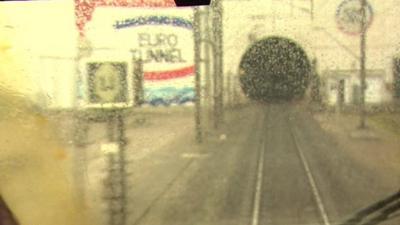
x: 362, y: 64
x: 110, y: 128
x: 215, y: 86
x: 197, y: 42
x: 235, y: 90
x: 122, y: 167
x: 221, y: 60
x: 138, y: 82
x: 116, y: 182
x: 228, y: 89
x: 215, y: 66
x: 218, y: 61
x: 207, y: 67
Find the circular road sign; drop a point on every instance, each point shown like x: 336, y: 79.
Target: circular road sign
x: 349, y: 16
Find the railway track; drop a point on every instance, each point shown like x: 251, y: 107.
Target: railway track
x: 276, y: 170
x: 262, y: 173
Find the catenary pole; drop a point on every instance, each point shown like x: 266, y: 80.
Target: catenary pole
x: 197, y: 43
x: 218, y: 61
x: 362, y: 64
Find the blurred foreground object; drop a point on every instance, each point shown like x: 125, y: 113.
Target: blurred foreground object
x: 35, y: 175
x: 34, y: 169
x: 6, y: 217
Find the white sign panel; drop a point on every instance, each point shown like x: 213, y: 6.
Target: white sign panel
x: 162, y: 38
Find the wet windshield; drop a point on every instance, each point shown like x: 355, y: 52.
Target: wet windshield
x: 272, y: 112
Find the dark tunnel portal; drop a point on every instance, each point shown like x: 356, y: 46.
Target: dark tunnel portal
x: 274, y: 69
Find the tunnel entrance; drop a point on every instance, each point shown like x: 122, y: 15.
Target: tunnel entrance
x: 275, y: 69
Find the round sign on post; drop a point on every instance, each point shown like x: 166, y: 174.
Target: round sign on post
x: 349, y: 16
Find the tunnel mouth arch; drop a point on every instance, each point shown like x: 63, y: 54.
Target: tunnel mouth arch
x: 275, y: 69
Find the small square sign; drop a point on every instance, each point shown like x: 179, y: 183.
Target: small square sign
x: 107, y: 82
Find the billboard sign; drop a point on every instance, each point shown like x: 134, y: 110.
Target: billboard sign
x: 161, y: 38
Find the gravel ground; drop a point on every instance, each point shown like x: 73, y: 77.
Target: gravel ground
x: 148, y: 131
x: 380, y: 153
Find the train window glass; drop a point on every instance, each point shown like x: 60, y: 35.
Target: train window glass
x: 239, y: 112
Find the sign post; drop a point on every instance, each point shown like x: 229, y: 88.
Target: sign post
x: 354, y: 17
x: 109, y: 92
x: 116, y: 182
x: 108, y: 85
x: 362, y: 64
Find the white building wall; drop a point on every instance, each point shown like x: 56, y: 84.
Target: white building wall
x: 42, y: 44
